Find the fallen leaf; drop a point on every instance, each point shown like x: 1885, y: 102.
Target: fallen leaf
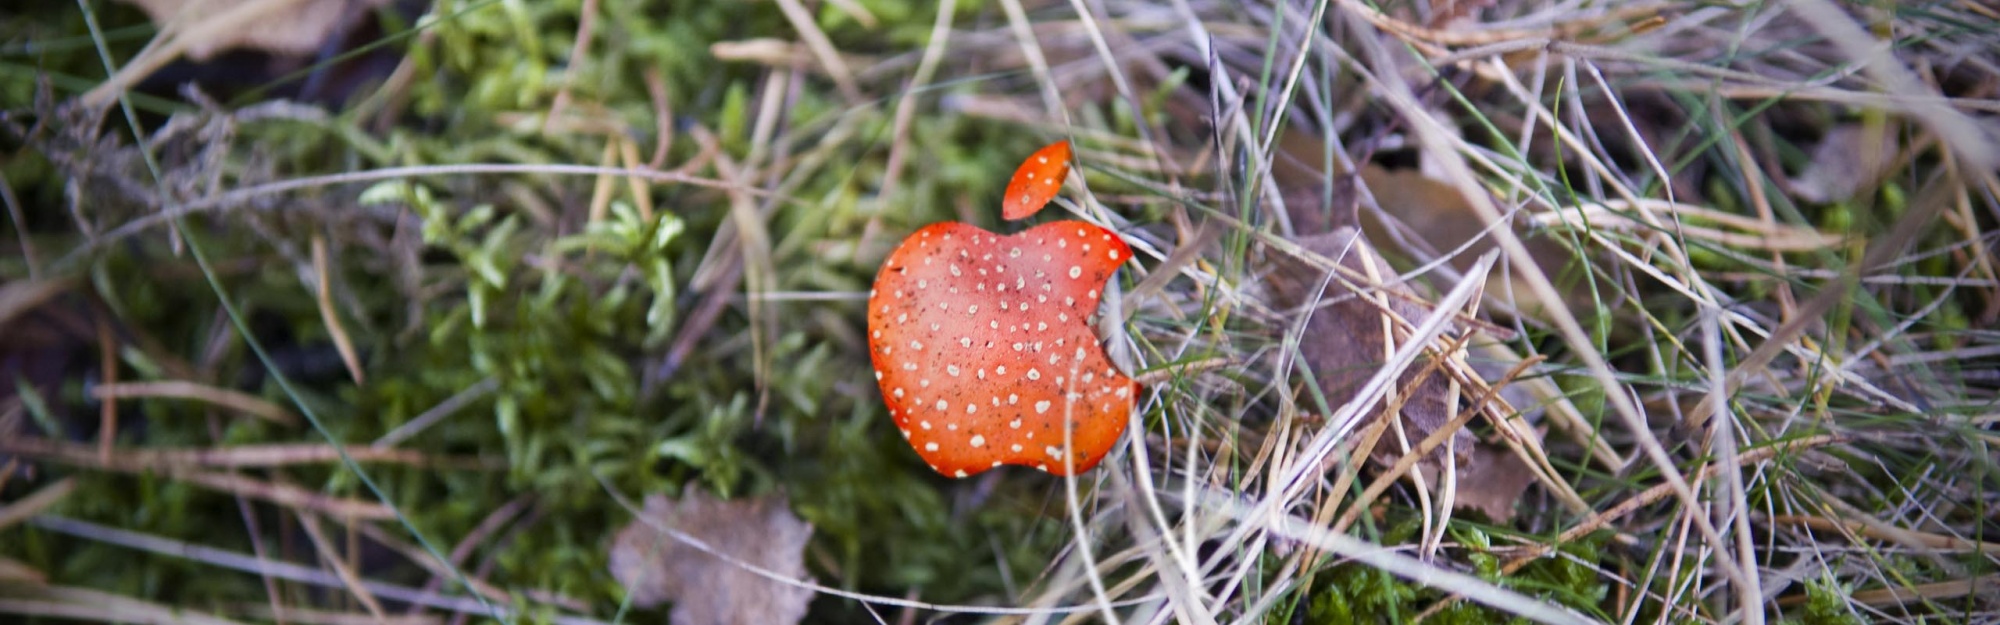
x: 1492, y: 481
x: 1343, y: 341
x: 655, y: 567
x: 1416, y: 211
x: 280, y: 26
x: 1845, y: 161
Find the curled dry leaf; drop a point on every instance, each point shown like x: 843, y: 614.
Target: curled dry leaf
x: 655, y: 567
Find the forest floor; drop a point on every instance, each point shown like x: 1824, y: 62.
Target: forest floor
x: 1453, y: 311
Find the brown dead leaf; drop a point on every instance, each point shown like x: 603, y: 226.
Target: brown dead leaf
x: 1343, y: 342
x: 1850, y: 158
x: 1492, y: 482
x: 1419, y: 217
x: 279, y: 26
x: 1441, y: 221
x: 655, y: 567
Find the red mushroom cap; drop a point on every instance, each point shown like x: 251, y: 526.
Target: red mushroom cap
x: 983, y: 349
x: 1036, y: 181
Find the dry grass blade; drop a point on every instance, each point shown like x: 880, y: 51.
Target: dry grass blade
x: 66, y: 602
x: 900, y: 144
x: 341, y: 567
x: 19, y: 297
x: 181, y: 389
x: 13, y: 572
x: 306, y: 616
x: 1985, y: 586
x: 822, y: 48
x: 443, y: 409
x: 1876, y: 530
x: 35, y: 502
x: 323, y: 293
x: 1757, y: 236
x: 186, y: 467
x: 107, y: 366
x: 288, y: 495
x: 240, y: 456
x: 259, y: 566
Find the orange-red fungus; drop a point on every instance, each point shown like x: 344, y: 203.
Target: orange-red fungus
x: 1036, y: 181
x: 983, y: 347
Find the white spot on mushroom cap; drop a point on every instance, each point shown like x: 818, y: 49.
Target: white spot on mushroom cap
x: 978, y: 441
